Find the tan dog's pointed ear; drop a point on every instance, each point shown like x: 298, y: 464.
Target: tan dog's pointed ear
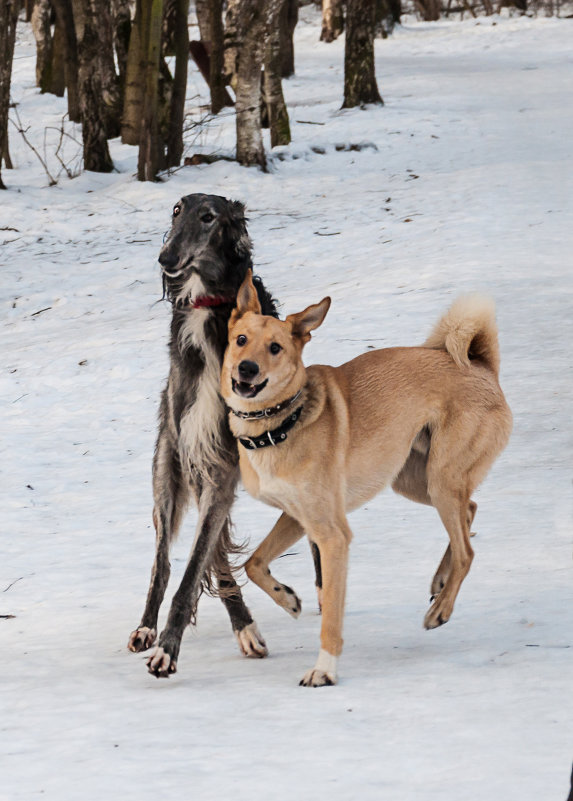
x: 247, y: 299
x: 306, y: 321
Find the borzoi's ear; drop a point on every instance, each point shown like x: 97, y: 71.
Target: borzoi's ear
x: 306, y: 321
x: 247, y: 300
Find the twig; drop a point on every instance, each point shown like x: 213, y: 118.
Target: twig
x: 21, y: 131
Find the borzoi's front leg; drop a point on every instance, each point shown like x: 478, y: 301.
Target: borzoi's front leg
x: 332, y: 543
x: 284, y: 533
x: 214, y: 504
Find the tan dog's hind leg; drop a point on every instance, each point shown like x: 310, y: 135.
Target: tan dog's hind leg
x: 284, y: 533
x: 443, y: 570
x: 332, y: 543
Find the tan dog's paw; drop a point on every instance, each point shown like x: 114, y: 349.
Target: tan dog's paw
x: 317, y: 678
x: 160, y: 664
x: 437, y: 615
x: 288, y: 599
x: 323, y: 674
x: 251, y: 642
x: 141, y: 639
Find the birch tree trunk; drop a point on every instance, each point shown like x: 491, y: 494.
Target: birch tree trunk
x: 42, y: 31
x: 8, y: 21
x: 94, y: 134
x: 250, y: 22
x: 274, y: 98
x: 360, y: 87
x: 332, y: 20
x: 219, y: 95
x: 121, y: 23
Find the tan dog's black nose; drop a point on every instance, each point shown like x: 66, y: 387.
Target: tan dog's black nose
x: 248, y: 370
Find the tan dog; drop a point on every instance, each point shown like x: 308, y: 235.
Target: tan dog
x: 318, y: 442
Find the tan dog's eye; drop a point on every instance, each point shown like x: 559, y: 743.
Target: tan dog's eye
x: 241, y: 340
x: 275, y: 348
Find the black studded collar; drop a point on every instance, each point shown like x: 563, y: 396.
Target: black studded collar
x: 274, y: 437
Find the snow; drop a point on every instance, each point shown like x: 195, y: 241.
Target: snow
x: 466, y: 184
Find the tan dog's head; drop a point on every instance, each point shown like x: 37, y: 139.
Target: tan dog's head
x: 263, y: 360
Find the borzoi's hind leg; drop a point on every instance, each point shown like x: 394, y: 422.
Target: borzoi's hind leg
x: 171, y: 495
x: 214, y: 502
x: 248, y: 636
x: 284, y: 533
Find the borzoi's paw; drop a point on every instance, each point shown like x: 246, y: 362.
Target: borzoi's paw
x: 323, y: 674
x: 160, y: 664
x: 287, y: 598
x: 141, y: 639
x: 438, y: 614
x: 251, y: 642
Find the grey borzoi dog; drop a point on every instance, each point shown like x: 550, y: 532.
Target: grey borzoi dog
x: 204, y: 260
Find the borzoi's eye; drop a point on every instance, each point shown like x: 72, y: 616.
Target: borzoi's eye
x: 275, y: 348
x: 176, y: 210
x: 241, y: 340
x: 208, y: 217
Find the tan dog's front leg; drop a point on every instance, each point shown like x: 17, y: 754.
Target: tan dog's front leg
x: 333, y: 547
x: 284, y: 533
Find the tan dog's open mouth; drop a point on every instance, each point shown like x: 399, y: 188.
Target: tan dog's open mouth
x: 246, y: 390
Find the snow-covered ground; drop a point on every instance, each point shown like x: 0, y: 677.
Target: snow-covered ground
x: 467, y: 185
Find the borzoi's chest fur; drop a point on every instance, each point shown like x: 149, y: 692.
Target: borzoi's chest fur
x: 200, y: 443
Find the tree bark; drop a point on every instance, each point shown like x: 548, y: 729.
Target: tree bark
x: 179, y: 88
x: 42, y: 30
x: 121, y: 23
x: 332, y: 20
x: 65, y: 19
x: 429, y: 10
x: 287, y: 23
x: 90, y: 82
x: 134, y: 82
x: 250, y: 21
x: 360, y: 87
x: 219, y: 95
x: 8, y: 21
x: 274, y: 98
x: 151, y: 158
x: 231, y: 42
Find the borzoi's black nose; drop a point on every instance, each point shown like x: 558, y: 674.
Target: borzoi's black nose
x: 168, y: 259
x: 248, y: 370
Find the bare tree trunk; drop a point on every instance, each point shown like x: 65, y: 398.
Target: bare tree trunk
x: 121, y: 23
x: 250, y: 22
x: 151, y: 158
x: 429, y: 10
x: 41, y: 28
x: 96, y: 151
x: 360, y: 86
x: 179, y: 89
x: 231, y: 42
x: 58, y: 82
x: 332, y: 20
x: 276, y: 106
x: 111, y: 94
x: 134, y: 82
x: 65, y: 19
x: 219, y: 95
x: 8, y: 21
x: 287, y: 23
x: 204, y: 13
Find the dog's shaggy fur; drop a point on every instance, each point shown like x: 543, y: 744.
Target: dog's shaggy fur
x: 204, y: 260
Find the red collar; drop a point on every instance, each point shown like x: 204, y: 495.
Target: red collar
x: 204, y: 301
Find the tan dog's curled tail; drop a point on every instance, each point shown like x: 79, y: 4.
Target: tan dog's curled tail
x: 468, y: 331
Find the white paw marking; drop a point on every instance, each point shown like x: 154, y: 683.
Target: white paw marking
x: 323, y: 673
x: 251, y: 642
